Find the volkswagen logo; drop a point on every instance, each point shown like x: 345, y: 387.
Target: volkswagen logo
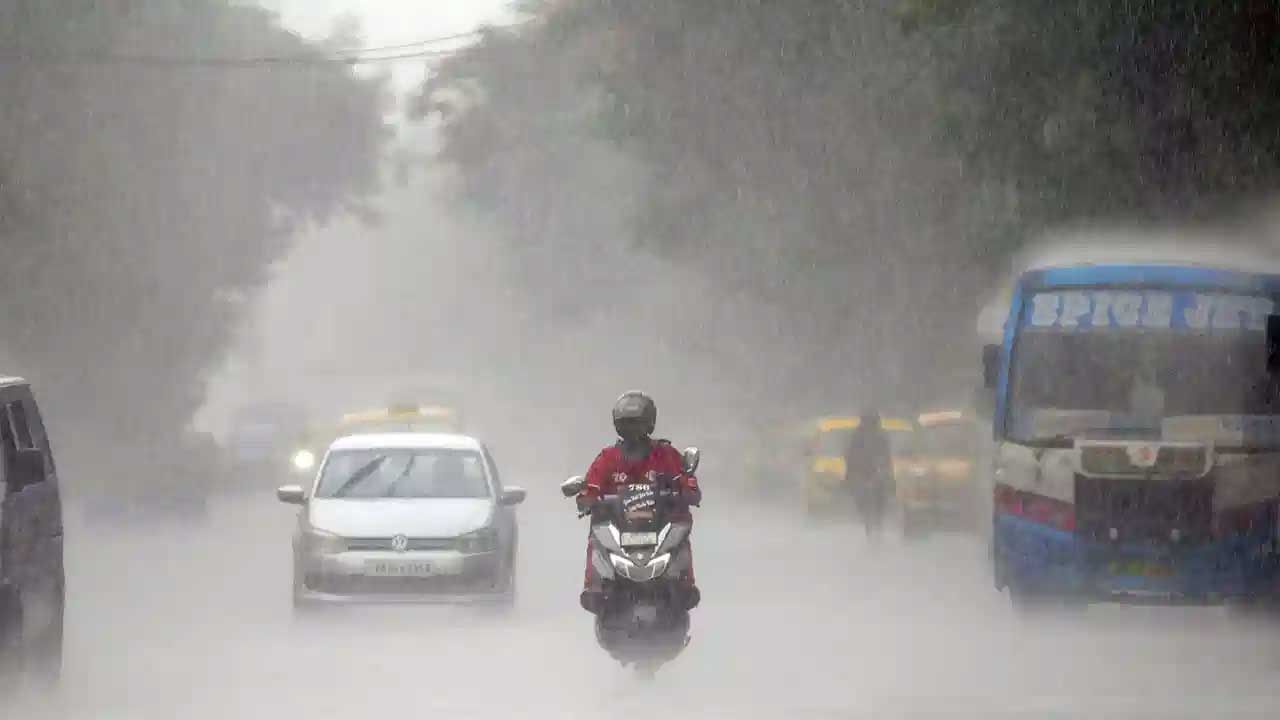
x: 399, y: 543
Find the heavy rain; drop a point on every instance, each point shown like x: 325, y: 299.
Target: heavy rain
x: 967, y: 306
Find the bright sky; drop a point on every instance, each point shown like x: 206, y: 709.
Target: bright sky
x: 393, y: 22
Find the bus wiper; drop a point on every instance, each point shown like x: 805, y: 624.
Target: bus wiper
x: 1068, y: 439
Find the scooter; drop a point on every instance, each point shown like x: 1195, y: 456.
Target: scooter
x: 640, y: 555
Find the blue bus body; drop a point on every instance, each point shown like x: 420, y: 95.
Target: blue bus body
x: 1137, y: 432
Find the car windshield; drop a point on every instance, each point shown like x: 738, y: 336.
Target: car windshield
x: 1112, y: 381
x: 403, y: 473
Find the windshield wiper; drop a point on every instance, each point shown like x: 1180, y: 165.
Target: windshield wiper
x: 359, y: 476
x: 1067, y: 439
x: 391, y: 489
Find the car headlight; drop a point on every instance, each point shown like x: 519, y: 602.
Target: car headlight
x: 325, y: 543
x: 481, y: 541
x: 304, y: 460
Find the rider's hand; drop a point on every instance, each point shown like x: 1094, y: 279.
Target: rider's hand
x: 586, y: 503
x: 691, y: 497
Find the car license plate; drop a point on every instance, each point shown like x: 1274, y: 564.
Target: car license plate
x: 1140, y: 568
x: 398, y: 568
x: 639, y: 538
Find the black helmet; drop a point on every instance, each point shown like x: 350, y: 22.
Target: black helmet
x: 634, y: 415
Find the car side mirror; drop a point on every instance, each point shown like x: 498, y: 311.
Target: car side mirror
x: 691, y: 456
x: 572, y: 486
x: 291, y: 494
x: 512, y: 496
x: 1273, y: 344
x: 990, y: 365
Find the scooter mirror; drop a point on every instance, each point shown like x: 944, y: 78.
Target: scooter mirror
x: 572, y: 486
x: 691, y: 457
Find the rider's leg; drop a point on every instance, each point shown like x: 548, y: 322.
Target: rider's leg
x: 592, y: 597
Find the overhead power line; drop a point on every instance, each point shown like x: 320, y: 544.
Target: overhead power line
x: 209, y: 61
x: 348, y: 56
x: 406, y: 46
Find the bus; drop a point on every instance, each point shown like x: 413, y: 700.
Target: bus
x: 1136, y: 428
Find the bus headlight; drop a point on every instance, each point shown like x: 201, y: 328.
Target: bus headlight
x: 304, y: 460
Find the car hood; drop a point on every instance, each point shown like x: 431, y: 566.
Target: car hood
x: 387, y: 517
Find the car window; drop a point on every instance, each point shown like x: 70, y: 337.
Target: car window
x: 403, y: 473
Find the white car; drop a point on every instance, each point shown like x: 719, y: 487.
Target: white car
x: 404, y: 517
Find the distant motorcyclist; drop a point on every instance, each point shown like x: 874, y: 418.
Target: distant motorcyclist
x: 637, y: 458
x: 869, y: 469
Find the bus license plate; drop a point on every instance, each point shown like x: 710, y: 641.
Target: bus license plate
x: 1140, y: 568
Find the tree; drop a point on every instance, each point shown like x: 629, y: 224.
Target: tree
x: 1155, y: 109
x: 142, y: 202
x: 855, y: 171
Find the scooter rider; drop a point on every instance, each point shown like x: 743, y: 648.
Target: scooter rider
x: 637, y: 458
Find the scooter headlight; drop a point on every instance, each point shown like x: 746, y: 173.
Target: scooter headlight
x: 621, y: 564
x: 658, y: 565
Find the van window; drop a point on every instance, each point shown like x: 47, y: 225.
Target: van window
x: 19, y: 427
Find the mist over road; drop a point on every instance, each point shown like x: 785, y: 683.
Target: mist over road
x: 193, y: 621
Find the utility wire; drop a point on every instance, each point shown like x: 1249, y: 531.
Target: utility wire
x: 348, y: 56
x: 405, y: 46
x: 219, y: 62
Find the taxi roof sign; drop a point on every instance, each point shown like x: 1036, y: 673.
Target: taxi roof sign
x: 851, y: 422
x: 939, y: 417
x: 401, y: 412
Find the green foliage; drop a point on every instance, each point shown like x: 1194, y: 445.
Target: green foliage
x: 837, y: 158
x: 139, y: 204
x: 1157, y: 109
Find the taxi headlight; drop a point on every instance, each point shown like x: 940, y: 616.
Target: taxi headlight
x: 325, y: 543
x: 481, y: 541
x: 304, y: 460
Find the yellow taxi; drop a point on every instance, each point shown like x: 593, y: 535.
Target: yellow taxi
x: 396, y: 418
x: 825, y: 487
x: 935, y: 473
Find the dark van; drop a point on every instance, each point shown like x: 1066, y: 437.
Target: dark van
x: 31, y: 574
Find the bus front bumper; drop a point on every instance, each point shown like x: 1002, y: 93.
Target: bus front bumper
x: 1034, y: 558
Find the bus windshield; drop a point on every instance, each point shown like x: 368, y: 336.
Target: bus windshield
x: 1143, y: 381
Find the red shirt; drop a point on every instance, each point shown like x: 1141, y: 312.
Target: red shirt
x: 612, y: 469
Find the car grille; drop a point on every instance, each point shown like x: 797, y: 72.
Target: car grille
x: 414, y: 544
x: 364, y: 585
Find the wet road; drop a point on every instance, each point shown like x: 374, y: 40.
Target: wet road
x: 193, y: 621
